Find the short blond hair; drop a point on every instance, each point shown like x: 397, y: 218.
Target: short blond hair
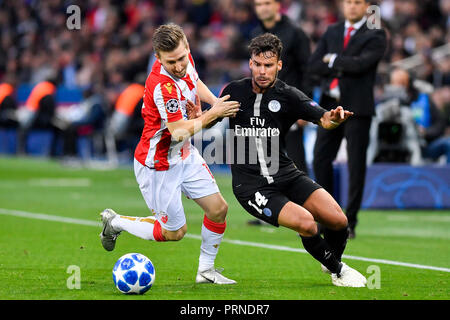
x: 167, y: 38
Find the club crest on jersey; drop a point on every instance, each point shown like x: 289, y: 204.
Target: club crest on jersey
x: 274, y: 106
x: 164, y: 217
x: 172, y: 105
x: 168, y: 87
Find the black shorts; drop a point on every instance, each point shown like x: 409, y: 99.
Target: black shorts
x: 266, y: 202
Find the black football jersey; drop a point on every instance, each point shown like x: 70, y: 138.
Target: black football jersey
x: 256, y: 146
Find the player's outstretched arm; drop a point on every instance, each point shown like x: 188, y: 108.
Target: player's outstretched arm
x: 333, y: 118
x: 205, y: 94
x: 184, y: 129
x: 194, y: 108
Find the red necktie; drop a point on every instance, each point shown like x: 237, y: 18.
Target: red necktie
x: 335, y: 81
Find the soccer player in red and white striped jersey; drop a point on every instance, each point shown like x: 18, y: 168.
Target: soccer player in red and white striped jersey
x: 166, y: 163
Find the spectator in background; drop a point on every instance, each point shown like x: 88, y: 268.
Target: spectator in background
x: 82, y: 119
x: 126, y: 122
x: 35, y: 41
x: 445, y: 14
x: 428, y: 118
x: 441, y: 146
x: 407, y: 121
x: 37, y: 114
x: 34, y: 32
x: 8, y: 105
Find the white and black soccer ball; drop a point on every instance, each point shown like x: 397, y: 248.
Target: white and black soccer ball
x: 133, y: 273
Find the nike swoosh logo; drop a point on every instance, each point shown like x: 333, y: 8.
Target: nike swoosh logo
x: 210, y: 280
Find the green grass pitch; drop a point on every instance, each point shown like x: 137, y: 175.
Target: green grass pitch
x: 35, y: 253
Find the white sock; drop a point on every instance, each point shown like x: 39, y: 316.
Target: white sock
x: 138, y: 226
x: 212, y: 234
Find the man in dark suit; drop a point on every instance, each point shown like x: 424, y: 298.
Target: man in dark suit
x: 346, y: 59
x: 295, y: 56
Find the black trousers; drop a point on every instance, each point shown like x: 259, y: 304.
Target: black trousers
x: 356, y: 131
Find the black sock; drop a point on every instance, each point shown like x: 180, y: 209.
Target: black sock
x: 337, y: 240
x: 319, y: 249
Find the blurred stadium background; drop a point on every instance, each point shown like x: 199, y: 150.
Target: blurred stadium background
x: 91, y: 66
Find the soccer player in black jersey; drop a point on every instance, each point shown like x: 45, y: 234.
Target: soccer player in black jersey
x: 265, y: 181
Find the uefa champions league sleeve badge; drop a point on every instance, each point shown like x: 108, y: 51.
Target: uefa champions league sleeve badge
x: 172, y: 105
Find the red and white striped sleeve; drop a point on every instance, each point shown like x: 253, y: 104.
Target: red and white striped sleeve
x: 167, y: 99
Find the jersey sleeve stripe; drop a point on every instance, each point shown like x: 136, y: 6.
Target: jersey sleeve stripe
x: 167, y: 99
x: 158, y: 99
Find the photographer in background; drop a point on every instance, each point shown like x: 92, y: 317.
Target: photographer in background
x: 407, y: 122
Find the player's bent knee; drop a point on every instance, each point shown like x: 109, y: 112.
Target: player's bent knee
x: 175, y: 235
x: 340, y: 221
x: 222, y: 209
x: 307, y: 228
x: 219, y: 212
x: 311, y: 228
x: 343, y: 222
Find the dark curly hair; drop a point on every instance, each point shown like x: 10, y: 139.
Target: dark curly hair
x: 265, y: 43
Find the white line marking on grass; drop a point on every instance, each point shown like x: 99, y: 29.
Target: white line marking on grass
x: 383, y: 261
x: 60, y: 182
x: 47, y: 217
x: 428, y: 218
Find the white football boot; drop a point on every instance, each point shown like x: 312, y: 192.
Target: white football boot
x: 348, y: 277
x: 108, y: 235
x: 213, y: 275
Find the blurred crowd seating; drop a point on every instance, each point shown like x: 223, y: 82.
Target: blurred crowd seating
x: 113, y: 49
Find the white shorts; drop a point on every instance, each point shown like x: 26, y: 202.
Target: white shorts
x: 162, y: 189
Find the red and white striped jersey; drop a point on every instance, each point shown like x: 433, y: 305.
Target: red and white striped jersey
x: 165, y: 99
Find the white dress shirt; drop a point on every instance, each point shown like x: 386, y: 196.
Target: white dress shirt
x: 348, y: 24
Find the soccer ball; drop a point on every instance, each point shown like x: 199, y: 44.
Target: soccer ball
x: 133, y: 273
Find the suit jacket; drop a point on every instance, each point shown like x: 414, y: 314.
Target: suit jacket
x: 355, y: 67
